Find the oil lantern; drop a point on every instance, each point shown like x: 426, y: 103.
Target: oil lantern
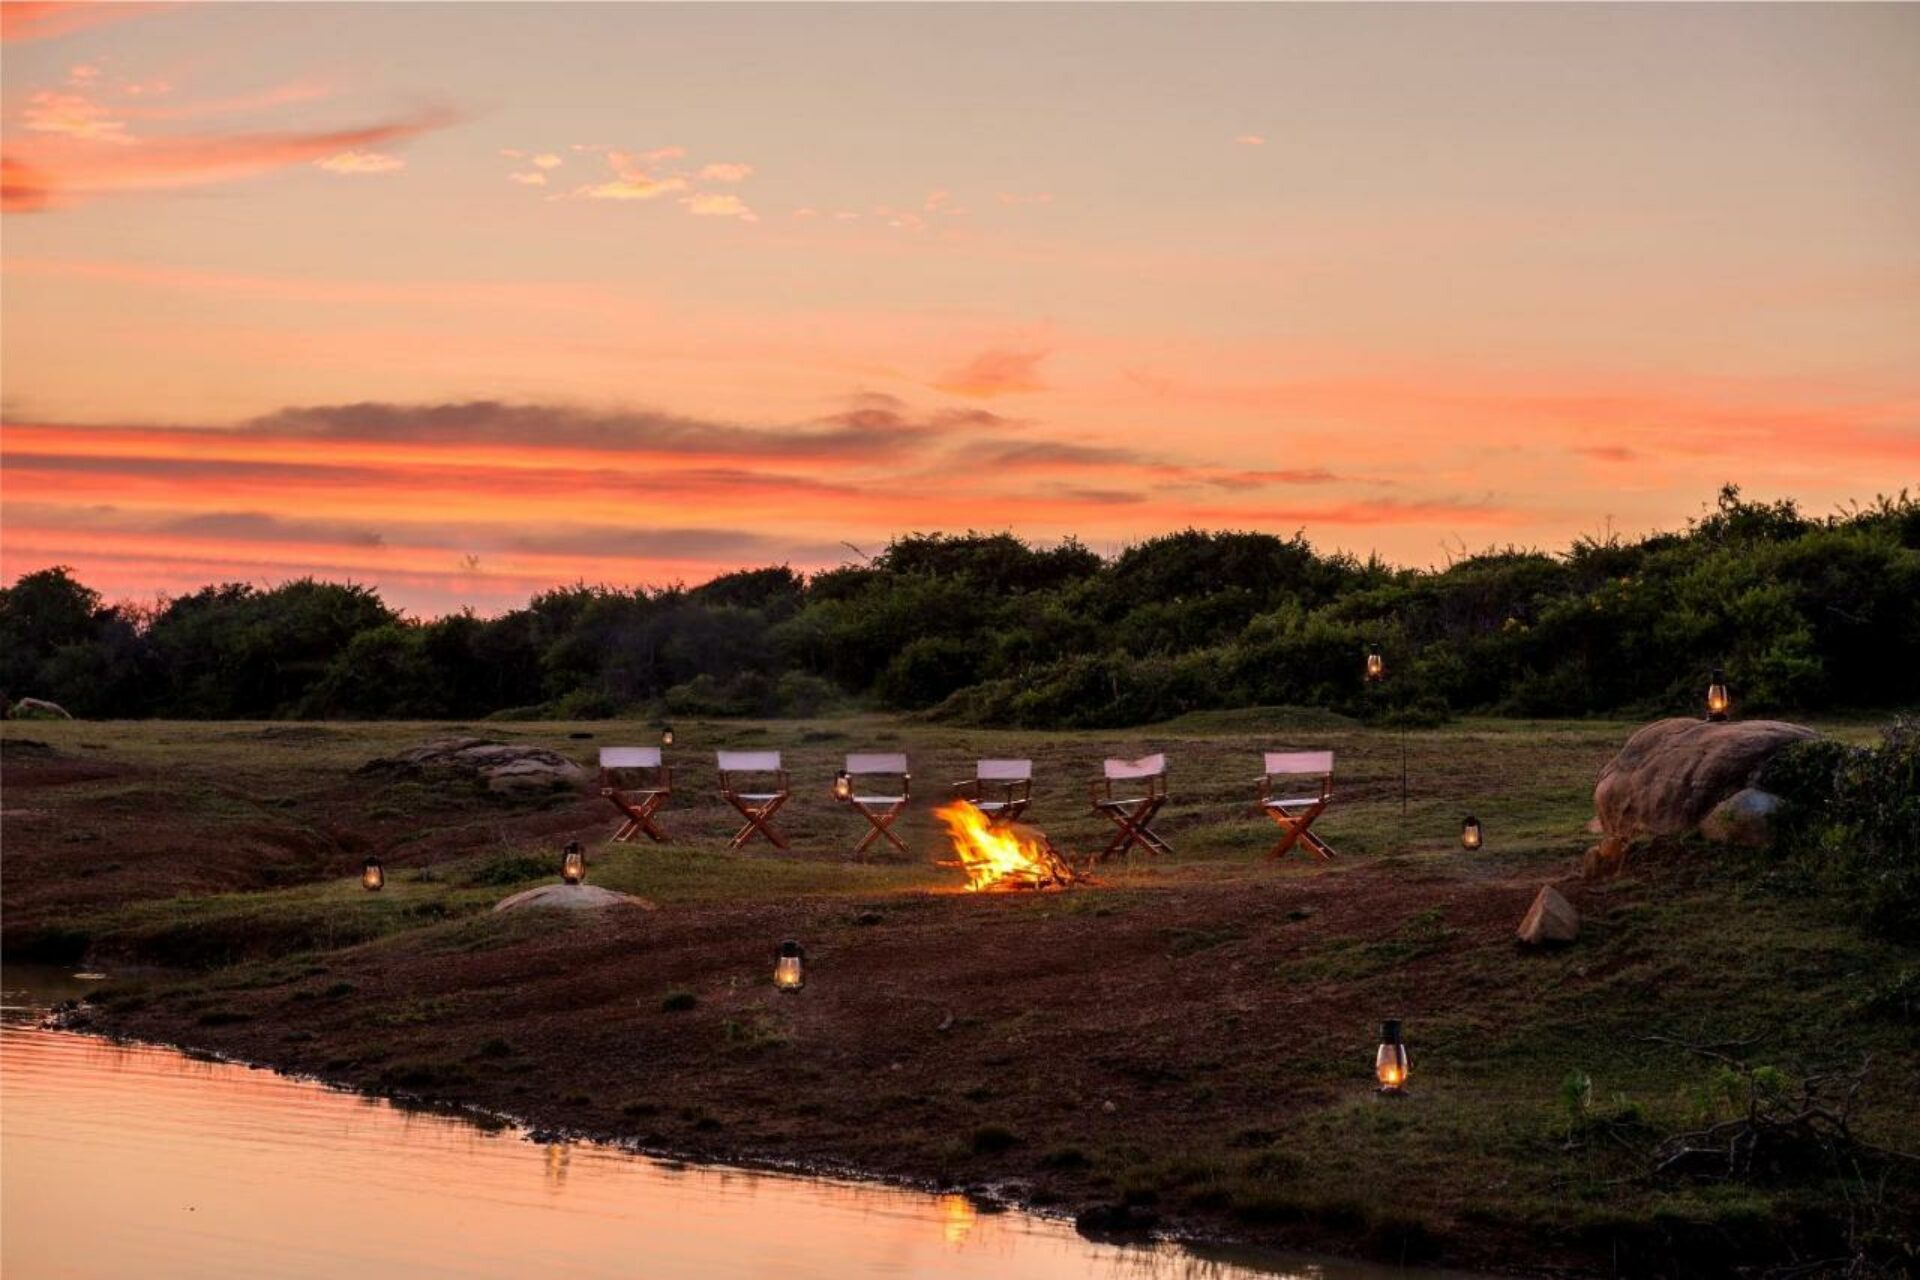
x: 1470, y: 833
x: 1376, y: 665
x: 1390, y: 1063
x: 573, y: 863
x: 666, y: 736
x: 842, y: 785
x: 371, y: 875
x: 1717, y: 700
x: 789, y: 967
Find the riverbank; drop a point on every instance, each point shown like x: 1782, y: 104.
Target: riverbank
x: 1186, y: 1044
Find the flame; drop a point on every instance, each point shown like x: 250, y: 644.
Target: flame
x: 1007, y: 856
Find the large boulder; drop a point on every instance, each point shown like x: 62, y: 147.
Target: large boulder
x: 38, y: 709
x: 1674, y: 773
x: 497, y: 766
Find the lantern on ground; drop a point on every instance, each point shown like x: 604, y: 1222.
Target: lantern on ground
x: 666, y: 736
x: 1390, y: 1063
x: 573, y: 863
x: 1470, y: 833
x: 843, y: 785
x: 789, y: 966
x: 1376, y: 665
x: 1717, y: 701
x: 371, y: 875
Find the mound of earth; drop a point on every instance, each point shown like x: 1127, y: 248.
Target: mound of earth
x: 1672, y: 774
x: 570, y: 897
x: 496, y: 766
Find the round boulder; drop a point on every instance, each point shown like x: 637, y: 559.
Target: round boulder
x: 498, y: 766
x: 1673, y: 774
x: 570, y: 897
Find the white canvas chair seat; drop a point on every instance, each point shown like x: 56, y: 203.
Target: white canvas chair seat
x: 1133, y: 810
x: 1295, y: 815
x: 757, y: 807
x: 1001, y: 789
x: 636, y: 804
x: 879, y: 810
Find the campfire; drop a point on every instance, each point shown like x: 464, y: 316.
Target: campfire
x: 1002, y: 856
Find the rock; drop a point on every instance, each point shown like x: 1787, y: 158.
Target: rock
x: 1551, y: 918
x: 38, y: 709
x: 1605, y: 860
x: 1743, y: 818
x: 1673, y: 773
x: 571, y: 897
x: 498, y: 766
x: 1097, y: 1221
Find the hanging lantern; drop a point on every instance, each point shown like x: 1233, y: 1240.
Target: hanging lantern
x: 1376, y: 665
x: 371, y: 876
x: 1470, y: 833
x: 573, y: 863
x: 666, y: 736
x: 843, y: 785
x: 789, y: 968
x: 1390, y: 1063
x: 1717, y: 701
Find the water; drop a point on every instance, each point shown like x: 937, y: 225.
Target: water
x: 140, y: 1161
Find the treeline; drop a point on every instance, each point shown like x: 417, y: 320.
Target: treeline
x: 1803, y: 614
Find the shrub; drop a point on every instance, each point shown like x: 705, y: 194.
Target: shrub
x: 1852, y: 819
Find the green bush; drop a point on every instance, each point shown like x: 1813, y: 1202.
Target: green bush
x: 1852, y: 820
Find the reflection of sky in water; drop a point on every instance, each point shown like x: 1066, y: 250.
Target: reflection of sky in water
x: 136, y: 1161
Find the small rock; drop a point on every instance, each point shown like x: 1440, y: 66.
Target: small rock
x: 1551, y: 918
x: 1108, y: 1107
x: 571, y: 897
x: 1743, y: 818
x: 1114, y: 1219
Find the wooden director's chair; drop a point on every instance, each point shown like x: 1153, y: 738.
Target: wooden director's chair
x: 757, y: 807
x: 636, y: 804
x: 1133, y: 811
x: 1000, y: 789
x: 1295, y: 814
x: 878, y: 810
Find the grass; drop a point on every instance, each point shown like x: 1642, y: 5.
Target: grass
x: 1191, y: 1035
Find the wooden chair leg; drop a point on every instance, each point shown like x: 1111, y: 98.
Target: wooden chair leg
x: 758, y: 819
x: 881, y: 822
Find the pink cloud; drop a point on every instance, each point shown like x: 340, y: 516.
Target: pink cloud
x: 23, y: 21
x: 1251, y: 140
x: 726, y: 172
x: 41, y: 173
x: 719, y: 206
x: 348, y: 162
x: 1002, y: 371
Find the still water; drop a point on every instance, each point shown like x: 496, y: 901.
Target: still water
x: 137, y: 1161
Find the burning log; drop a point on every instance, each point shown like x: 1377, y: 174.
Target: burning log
x: 998, y: 857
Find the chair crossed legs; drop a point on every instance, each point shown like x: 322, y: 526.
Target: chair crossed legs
x: 636, y: 805
x: 1295, y: 815
x: 879, y: 810
x: 757, y: 807
x: 1132, y: 814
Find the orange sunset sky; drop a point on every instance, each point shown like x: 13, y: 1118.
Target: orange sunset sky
x: 465, y: 301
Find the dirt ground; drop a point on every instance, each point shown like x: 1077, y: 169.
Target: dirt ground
x: 1184, y: 1045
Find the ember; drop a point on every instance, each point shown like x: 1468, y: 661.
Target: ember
x: 1002, y: 856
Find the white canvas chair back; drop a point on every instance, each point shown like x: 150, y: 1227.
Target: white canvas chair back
x: 629, y: 757
x: 877, y: 762
x: 1003, y: 770
x: 1145, y: 767
x: 1299, y: 762
x: 748, y: 761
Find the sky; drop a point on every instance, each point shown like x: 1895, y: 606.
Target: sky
x: 465, y: 301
